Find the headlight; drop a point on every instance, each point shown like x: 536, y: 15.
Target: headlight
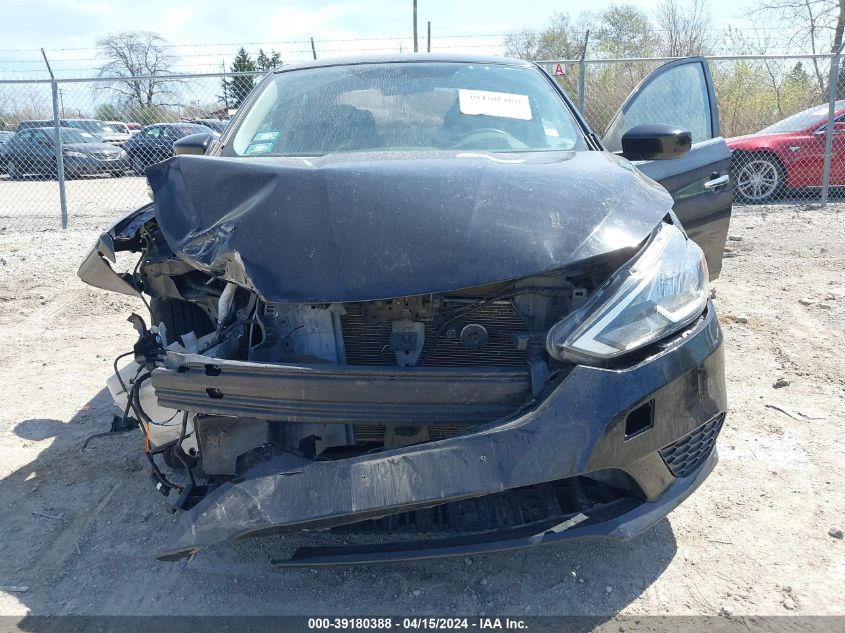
x: 122, y: 154
x: 661, y: 290
x: 73, y: 153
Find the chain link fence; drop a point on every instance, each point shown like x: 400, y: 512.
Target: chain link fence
x: 773, y: 111
x: 73, y: 151
x: 82, y: 162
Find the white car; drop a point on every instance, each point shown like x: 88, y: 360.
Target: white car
x: 115, y: 132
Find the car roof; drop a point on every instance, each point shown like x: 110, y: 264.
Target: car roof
x: 50, y: 128
x: 399, y: 58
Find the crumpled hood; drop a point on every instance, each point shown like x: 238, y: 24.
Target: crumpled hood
x: 365, y: 226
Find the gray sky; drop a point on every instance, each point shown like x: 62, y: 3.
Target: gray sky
x: 208, y: 31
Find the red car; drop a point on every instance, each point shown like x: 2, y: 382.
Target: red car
x: 788, y: 154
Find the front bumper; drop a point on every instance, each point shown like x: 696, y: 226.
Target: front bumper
x: 581, y: 427
x: 91, y: 166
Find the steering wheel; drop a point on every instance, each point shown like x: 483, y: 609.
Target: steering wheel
x: 489, y: 134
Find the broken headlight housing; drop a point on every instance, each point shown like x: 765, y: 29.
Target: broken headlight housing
x: 660, y: 291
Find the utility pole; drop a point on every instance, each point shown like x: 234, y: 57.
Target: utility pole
x: 415, y: 27
x: 428, y: 39
x: 60, y: 162
x: 225, y: 84
x: 313, y: 49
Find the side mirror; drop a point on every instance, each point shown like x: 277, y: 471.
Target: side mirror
x: 655, y: 141
x: 194, y: 143
x: 838, y: 127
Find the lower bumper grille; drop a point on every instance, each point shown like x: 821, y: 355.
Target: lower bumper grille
x: 550, y: 503
x: 374, y: 433
x: 688, y: 453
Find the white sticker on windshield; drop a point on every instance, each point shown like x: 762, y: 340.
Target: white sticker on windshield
x: 502, y: 104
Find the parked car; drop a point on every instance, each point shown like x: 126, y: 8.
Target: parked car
x: 155, y: 143
x: 419, y: 297
x: 134, y: 128
x: 32, y: 151
x: 788, y: 155
x: 217, y: 125
x: 92, y: 130
x: 4, y: 137
x: 115, y: 132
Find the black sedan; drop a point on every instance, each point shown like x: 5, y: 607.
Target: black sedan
x: 217, y: 125
x: 5, y: 137
x: 32, y: 151
x: 154, y: 143
x: 418, y: 297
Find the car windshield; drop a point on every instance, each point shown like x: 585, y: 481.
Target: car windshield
x: 407, y: 106
x: 88, y: 126
x: 810, y: 118
x: 72, y: 136
x: 184, y: 130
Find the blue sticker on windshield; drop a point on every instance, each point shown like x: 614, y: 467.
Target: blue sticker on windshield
x: 265, y: 137
x: 259, y: 148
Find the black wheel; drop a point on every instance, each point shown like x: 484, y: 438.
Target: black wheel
x: 138, y: 165
x: 758, y: 178
x: 12, y: 170
x: 180, y: 317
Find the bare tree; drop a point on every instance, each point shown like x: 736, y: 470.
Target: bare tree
x: 816, y: 27
x: 561, y: 38
x: 684, y: 28
x: 136, y: 54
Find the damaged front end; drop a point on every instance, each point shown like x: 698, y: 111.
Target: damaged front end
x: 456, y: 420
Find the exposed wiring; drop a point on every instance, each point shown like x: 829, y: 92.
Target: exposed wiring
x: 136, y: 402
x: 117, y: 373
x: 180, y: 454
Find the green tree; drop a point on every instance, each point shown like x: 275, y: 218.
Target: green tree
x: 266, y: 62
x: 237, y: 88
x: 108, y: 112
x: 625, y: 31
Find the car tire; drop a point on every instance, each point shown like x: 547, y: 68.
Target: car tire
x: 180, y: 317
x: 757, y: 178
x: 12, y: 170
x: 138, y: 165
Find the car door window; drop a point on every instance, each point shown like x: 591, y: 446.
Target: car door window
x: 152, y: 133
x: 42, y: 139
x: 679, y: 96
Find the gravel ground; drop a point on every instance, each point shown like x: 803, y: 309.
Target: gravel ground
x: 33, y: 204
x: 80, y: 530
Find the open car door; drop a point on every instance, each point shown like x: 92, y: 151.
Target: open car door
x: 681, y: 93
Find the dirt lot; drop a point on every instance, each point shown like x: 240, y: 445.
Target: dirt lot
x: 33, y: 204
x: 80, y: 529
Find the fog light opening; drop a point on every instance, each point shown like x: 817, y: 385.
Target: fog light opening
x: 639, y: 420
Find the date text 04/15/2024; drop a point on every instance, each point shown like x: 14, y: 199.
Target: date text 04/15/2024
x: 415, y: 624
